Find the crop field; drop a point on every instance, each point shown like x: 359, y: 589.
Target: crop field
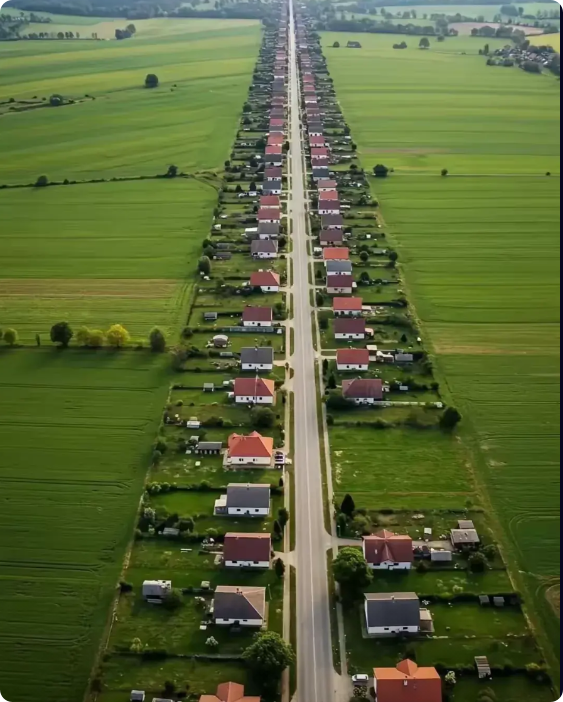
x: 75, y: 433
x: 486, y: 11
x: 132, y: 264
x: 203, y: 67
x: 548, y: 40
x: 480, y: 253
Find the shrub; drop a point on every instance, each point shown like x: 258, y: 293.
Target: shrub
x: 380, y: 171
x: 42, y: 181
x: 151, y: 81
x: 157, y: 340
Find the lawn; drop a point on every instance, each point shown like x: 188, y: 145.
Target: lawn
x: 127, y: 129
x: 75, y: 437
x: 486, y: 294
x: 132, y: 263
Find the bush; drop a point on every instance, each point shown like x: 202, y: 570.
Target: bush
x: 11, y: 337
x: 450, y: 419
x: 125, y: 586
x: 422, y: 567
x: 151, y: 81
x: 380, y: 171
x: 173, y: 600
x: 42, y: 181
x: 157, y: 340
x: 56, y: 100
x: 477, y: 562
x: 262, y: 417
x: 444, y: 172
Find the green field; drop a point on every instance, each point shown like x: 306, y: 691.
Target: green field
x: 486, y: 11
x: 190, y: 119
x: 75, y: 434
x: 132, y: 263
x: 480, y: 252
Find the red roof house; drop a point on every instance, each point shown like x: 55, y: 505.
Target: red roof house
x: 388, y: 551
x: 347, y: 305
x: 251, y: 446
x: 407, y: 683
x: 349, y: 327
x: 320, y: 152
x: 363, y: 390
x: 266, y: 280
x: 336, y: 253
x: 247, y: 550
x: 258, y: 390
x: 257, y: 316
x: 267, y: 201
x: 328, y: 195
x: 275, y: 150
x: 229, y: 692
x: 352, y: 359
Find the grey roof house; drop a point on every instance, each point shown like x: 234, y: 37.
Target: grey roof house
x: 268, y: 230
x: 338, y: 267
x: 389, y: 613
x: 272, y: 187
x: 257, y: 358
x: 245, y: 499
x: 465, y: 538
x: 240, y: 605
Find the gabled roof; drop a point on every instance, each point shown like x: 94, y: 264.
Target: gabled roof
x: 392, y: 609
x: 334, y: 220
x: 328, y: 195
x: 331, y: 235
x: 257, y: 314
x: 239, y: 602
x: 347, y: 304
x: 363, y: 389
x: 335, y: 266
x: 353, y: 357
x: 254, y: 387
x: 269, y: 201
x: 319, y: 151
x: 258, y: 354
x: 332, y: 184
x: 274, y: 150
x: 314, y: 140
x: 464, y: 536
x: 276, y: 140
x: 344, y: 280
x: 264, y: 246
x: 349, y: 325
x: 387, y: 546
x: 408, y: 683
x: 247, y: 547
x: 266, y: 213
x: 336, y: 253
x: 247, y: 495
x: 268, y: 228
x: 273, y: 172
x: 264, y: 278
x: 270, y: 186
x: 277, y: 123
x: 321, y: 171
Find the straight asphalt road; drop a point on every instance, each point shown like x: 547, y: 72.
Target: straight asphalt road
x: 315, y: 673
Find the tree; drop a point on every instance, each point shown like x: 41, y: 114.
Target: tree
x: 173, y: 600
x: 319, y: 298
x: 157, y: 340
x: 42, y: 181
x: 204, y: 265
x: 277, y: 531
x: 424, y: 43
x: 268, y: 656
x: 393, y: 257
x: 169, y: 688
x: 279, y: 568
x: 131, y: 29
x: 531, y: 67
x: 136, y: 646
x: 11, y: 337
x: 486, y: 49
x: 151, y: 81
x: 61, y: 333
x: 82, y: 336
x: 441, y: 37
x: 118, y: 336
x: 348, y: 505
x: 477, y: 562
x: 380, y: 171
x: 56, y: 100
x: 351, y: 569
x: 212, y: 642
x: 364, y: 257
x: 37, y: 340
x: 490, y: 551
x: 450, y: 419
x: 444, y: 172
x: 262, y: 417
x: 331, y: 382
x: 283, y: 517
x: 96, y: 338
x: 509, y: 10
x: 341, y: 523
x: 172, y: 171
x: 186, y: 524
x: 336, y: 45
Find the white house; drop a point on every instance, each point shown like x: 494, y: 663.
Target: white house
x: 349, y: 328
x: 240, y: 605
x: 246, y: 500
x: 247, y: 550
x: 257, y: 358
x: 155, y: 591
x: 352, y: 360
x: 392, y: 613
x: 264, y: 248
x: 253, y: 450
x: 329, y: 207
x: 259, y: 391
x: 363, y: 391
x: 257, y: 317
x: 388, y: 551
x: 267, y: 281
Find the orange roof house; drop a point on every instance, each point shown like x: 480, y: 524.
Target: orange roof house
x: 407, y: 683
x: 253, y: 445
x: 336, y: 253
x: 229, y: 692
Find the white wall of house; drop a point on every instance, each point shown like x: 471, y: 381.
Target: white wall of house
x: 388, y: 630
x: 259, y: 400
x: 334, y: 290
x: 329, y: 211
x: 349, y: 336
x: 240, y: 622
x: 270, y: 220
x: 248, y: 511
x: 247, y: 564
x: 270, y: 288
x: 347, y: 313
x: 352, y: 366
x: 257, y: 366
x: 277, y: 191
x: 257, y: 324
x: 363, y: 400
x: 259, y: 461
x: 265, y: 254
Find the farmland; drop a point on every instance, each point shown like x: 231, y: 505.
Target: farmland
x: 479, y: 251
x: 203, y: 67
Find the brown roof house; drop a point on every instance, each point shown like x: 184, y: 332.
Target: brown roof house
x: 267, y: 281
x: 340, y: 284
x: 349, y: 328
x: 363, y: 391
x: 257, y: 317
x: 239, y: 606
x: 347, y: 306
x: 388, y: 551
x: 260, y: 391
x: 352, y: 359
x: 229, y: 692
x: 247, y: 550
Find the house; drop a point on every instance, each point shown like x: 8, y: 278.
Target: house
x: 229, y: 692
x: 329, y: 207
x: 407, y: 683
x: 264, y: 248
x: 246, y: 500
x: 277, y: 112
x: 352, y: 359
x: 327, y: 186
x: 254, y: 391
x: 315, y: 129
x: 309, y: 89
x: 210, y: 316
x: 269, y: 214
x: 465, y: 539
x: 320, y: 152
x: 270, y: 201
x: 155, y: 591
x: 441, y: 555
x: 209, y: 448
x: 335, y: 268
x: 332, y: 222
x: 247, y: 550
x: 257, y: 317
x: 276, y: 150
x: 389, y: 613
x: 137, y: 696
x: 404, y: 358
x: 320, y: 173
x: 336, y: 253
x: 363, y: 391
x: 273, y: 160
x: 257, y: 358
x: 277, y: 126
x: 388, y: 551
x: 331, y: 237
x: 330, y: 194
x: 252, y: 450
x: 272, y: 187
x: 465, y: 524
x: 340, y: 284
x: 347, y: 306
x: 317, y: 141
x: 268, y: 230
x: 239, y: 605
x: 483, y: 667
x: 273, y: 173
x: 349, y: 328
x: 267, y: 281
x: 275, y: 140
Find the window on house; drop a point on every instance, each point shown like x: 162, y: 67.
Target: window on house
x: 405, y: 628
x: 385, y: 628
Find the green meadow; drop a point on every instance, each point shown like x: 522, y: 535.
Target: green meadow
x: 190, y: 120
x: 480, y: 254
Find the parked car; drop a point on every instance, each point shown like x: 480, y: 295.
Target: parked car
x: 360, y: 679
